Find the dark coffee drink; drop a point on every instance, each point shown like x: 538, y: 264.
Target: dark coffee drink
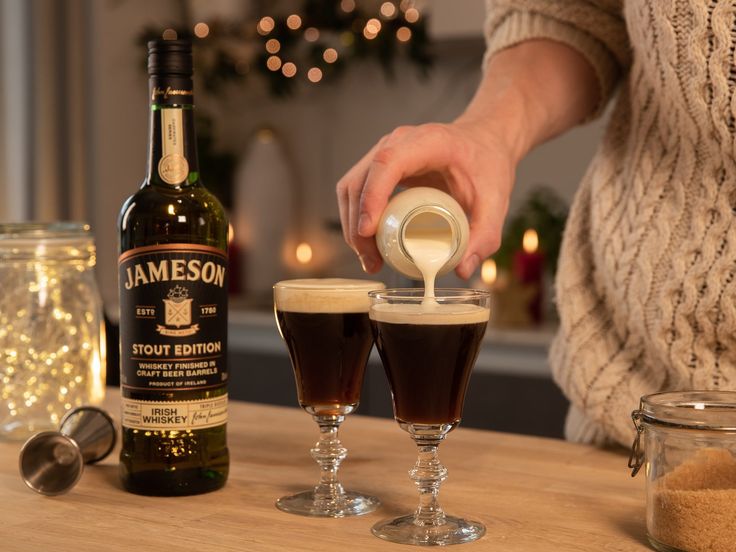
x: 327, y: 331
x: 329, y: 352
x: 428, y: 357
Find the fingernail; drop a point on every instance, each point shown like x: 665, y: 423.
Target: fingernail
x: 363, y: 224
x: 367, y: 262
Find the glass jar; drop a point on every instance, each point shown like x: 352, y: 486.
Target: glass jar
x: 417, y: 211
x: 686, y: 442
x: 52, y: 338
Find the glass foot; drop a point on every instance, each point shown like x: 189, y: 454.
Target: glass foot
x: 350, y: 504
x: 403, y: 530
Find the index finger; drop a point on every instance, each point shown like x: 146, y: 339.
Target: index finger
x: 414, y: 153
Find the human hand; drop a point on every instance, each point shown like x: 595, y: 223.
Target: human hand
x: 465, y: 159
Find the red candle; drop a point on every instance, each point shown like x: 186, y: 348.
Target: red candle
x: 529, y: 271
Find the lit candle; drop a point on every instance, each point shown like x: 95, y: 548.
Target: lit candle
x: 304, y: 253
x: 529, y: 271
x: 488, y: 272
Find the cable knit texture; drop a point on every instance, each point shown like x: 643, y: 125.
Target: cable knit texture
x: 647, y: 273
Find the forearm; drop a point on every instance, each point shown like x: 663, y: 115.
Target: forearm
x: 532, y: 92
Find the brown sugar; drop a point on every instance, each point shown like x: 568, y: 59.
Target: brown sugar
x: 694, y: 506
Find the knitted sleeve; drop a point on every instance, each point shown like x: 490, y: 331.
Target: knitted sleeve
x: 595, y: 28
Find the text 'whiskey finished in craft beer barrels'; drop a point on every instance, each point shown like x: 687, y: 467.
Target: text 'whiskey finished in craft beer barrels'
x: 428, y: 352
x: 327, y: 331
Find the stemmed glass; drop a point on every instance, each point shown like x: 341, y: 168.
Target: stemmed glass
x: 325, y: 325
x: 428, y: 347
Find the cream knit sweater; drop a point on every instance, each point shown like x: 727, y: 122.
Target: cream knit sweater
x: 647, y: 273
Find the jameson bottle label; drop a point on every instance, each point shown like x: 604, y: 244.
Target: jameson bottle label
x: 173, y: 167
x: 173, y: 323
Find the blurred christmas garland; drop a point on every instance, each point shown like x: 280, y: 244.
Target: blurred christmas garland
x: 311, y: 45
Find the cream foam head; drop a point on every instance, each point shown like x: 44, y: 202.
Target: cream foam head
x: 449, y: 306
x: 418, y: 314
x: 324, y: 295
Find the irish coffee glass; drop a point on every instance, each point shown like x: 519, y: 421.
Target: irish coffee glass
x: 325, y: 325
x: 428, y: 348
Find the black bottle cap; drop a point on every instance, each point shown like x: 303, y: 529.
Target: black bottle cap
x: 170, y: 57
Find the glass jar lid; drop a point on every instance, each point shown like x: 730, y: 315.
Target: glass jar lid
x: 46, y: 241
x: 682, y: 410
x: 708, y: 410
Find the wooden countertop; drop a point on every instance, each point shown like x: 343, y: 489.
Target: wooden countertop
x: 533, y: 494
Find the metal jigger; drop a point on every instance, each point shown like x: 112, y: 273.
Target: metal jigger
x: 51, y: 462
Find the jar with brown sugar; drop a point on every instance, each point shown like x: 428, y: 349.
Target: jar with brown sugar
x: 686, y: 443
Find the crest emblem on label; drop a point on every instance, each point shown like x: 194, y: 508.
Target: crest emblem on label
x: 173, y: 168
x: 178, y: 313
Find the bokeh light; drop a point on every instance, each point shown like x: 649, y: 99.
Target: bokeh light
x: 266, y: 25
x: 272, y: 46
x: 288, y: 69
x: 293, y: 22
x: 273, y: 63
x: 201, y: 30
x: 314, y: 74
x: 330, y: 55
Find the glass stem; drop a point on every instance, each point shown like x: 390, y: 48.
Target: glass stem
x: 328, y: 452
x: 428, y: 474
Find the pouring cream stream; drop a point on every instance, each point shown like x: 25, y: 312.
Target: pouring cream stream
x: 428, y: 240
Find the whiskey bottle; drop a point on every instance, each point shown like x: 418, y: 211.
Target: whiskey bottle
x: 173, y: 302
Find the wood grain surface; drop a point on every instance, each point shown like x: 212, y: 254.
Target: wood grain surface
x: 533, y: 494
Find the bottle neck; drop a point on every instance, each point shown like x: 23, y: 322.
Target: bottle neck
x: 172, y: 146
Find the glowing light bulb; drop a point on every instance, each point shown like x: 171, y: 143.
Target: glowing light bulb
x: 314, y: 74
x: 488, y: 272
x: 272, y: 46
x: 330, y: 55
x: 411, y: 15
x: 373, y: 25
x: 403, y: 34
x: 273, y: 63
x: 347, y: 5
x: 530, y: 241
x: 266, y: 25
x: 311, y: 34
x: 304, y: 253
x: 293, y: 22
x: 388, y: 9
x: 201, y: 30
x: 288, y: 69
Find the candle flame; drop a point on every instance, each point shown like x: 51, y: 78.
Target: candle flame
x: 230, y: 233
x: 530, y: 242
x: 488, y: 272
x: 304, y: 253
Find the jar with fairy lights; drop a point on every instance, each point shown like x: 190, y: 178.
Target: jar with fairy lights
x: 52, y: 339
